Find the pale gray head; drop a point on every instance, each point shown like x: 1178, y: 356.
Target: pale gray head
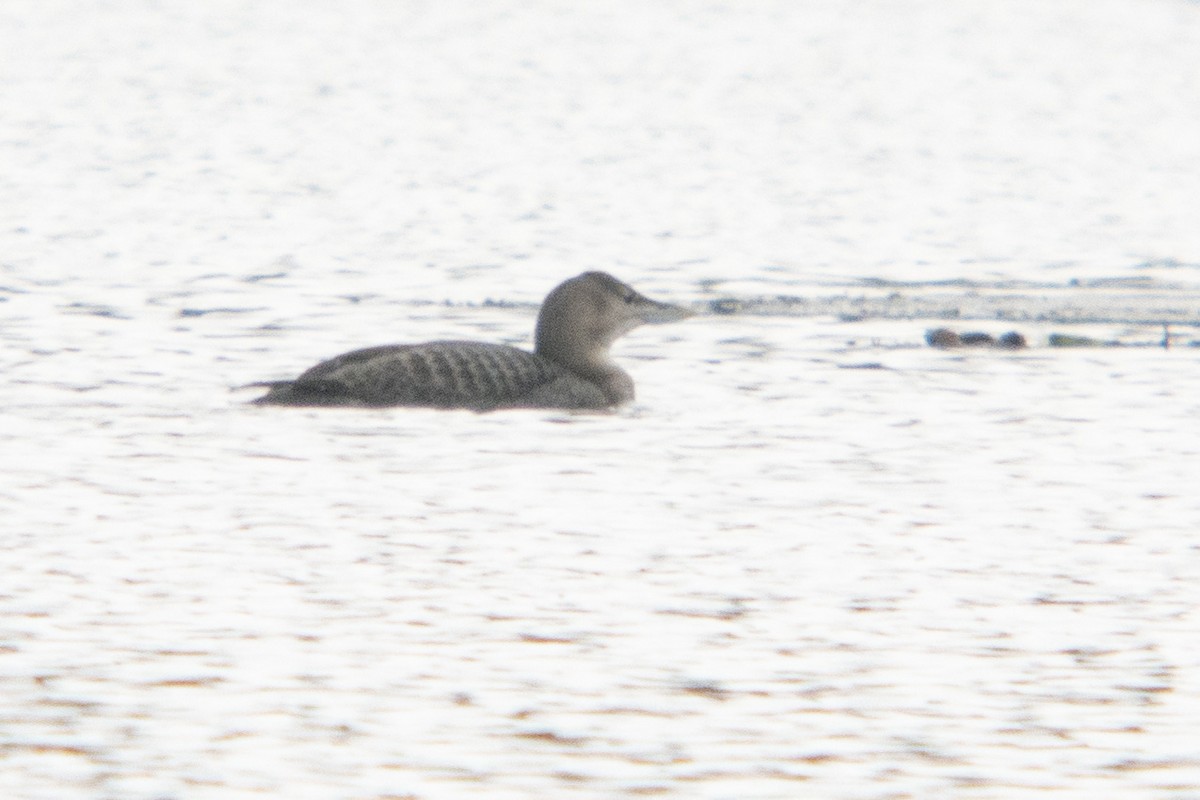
x: 583, y: 316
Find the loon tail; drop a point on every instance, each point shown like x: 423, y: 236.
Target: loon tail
x: 277, y: 391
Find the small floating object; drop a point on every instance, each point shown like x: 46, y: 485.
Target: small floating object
x: 1012, y: 341
x: 976, y: 339
x: 1067, y: 340
x: 942, y: 337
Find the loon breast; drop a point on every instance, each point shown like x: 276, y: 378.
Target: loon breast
x: 570, y: 367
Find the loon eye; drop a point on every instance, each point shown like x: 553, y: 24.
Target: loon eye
x: 630, y: 296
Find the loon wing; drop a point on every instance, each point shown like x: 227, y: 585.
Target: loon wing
x: 473, y: 375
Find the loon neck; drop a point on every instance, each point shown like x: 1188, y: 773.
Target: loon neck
x: 594, y: 367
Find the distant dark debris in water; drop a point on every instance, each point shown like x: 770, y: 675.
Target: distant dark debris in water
x: 864, y: 365
x: 945, y: 338
x: 1067, y: 340
x: 1122, y: 300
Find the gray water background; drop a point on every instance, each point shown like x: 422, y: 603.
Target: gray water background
x: 814, y: 559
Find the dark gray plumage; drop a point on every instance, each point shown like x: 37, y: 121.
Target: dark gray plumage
x: 569, y: 368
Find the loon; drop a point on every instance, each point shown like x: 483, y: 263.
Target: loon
x: 570, y: 366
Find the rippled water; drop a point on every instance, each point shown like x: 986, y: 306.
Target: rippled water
x: 816, y: 558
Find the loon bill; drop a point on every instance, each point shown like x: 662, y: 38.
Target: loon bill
x: 570, y: 366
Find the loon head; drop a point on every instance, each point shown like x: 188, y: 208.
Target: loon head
x: 583, y: 316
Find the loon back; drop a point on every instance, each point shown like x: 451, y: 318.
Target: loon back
x: 570, y: 367
x: 471, y: 375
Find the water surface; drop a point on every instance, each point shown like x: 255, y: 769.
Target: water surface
x: 815, y: 558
